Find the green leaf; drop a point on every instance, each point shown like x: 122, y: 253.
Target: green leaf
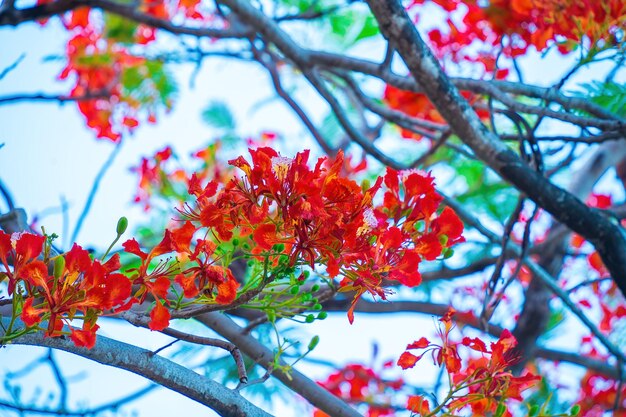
x: 609, y: 95
x: 218, y: 115
x: 353, y: 25
x: 150, y: 83
x: 330, y: 129
x: 119, y: 29
x: 370, y: 28
x: 340, y: 23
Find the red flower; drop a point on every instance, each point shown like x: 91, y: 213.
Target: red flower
x: 265, y: 235
x: 19, y: 249
x: 85, y: 337
x: 418, y: 404
x: 358, y: 384
x: 408, y: 360
x: 79, y: 285
x: 30, y: 316
x: 159, y: 317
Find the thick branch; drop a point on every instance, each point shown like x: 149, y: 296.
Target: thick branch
x: 296, y: 381
x: 142, y: 321
x: 421, y: 307
x: 374, y: 69
x: 540, y: 273
x: 13, y: 17
x: 608, y: 238
x: 156, y: 368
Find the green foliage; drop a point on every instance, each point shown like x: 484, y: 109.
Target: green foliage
x: 610, y: 95
x: 543, y: 399
x: 218, y: 115
x: 150, y: 83
x: 352, y: 25
x: 119, y: 29
x: 485, y: 191
x: 304, y: 6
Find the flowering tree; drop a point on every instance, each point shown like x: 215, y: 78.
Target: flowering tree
x: 438, y: 182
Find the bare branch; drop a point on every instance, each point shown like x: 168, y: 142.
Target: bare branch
x: 60, y: 98
x: 270, y: 66
x: 94, y: 189
x: 113, y: 405
x: 7, y: 70
x: 608, y: 239
x: 296, y: 381
x: 401, y: 306
x: 13, y: 17
x: 336, y: 61
x: 541, y: 274
x: 156, y: 368
x: 143, y: 321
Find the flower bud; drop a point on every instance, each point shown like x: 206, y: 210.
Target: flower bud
x: 122, y: 225
x: 314, y: 341
x: 59, y: 267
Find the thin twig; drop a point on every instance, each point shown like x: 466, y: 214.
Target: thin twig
x: 60, y: 379
x: 8, y: 199
x: 94, y: 189
x: 60, y: 98
x: 14, y: 65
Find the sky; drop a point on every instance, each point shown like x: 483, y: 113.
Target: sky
x: 49, y: 155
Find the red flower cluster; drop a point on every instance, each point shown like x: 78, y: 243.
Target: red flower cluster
x: 78, y: 287
x: 319, y: 217
x: 539, y: 23
x: 358, y: 384
x: 419, y: 106
x: 158, y: 178
x: 483, y: 383
x: 112, y: 84
x: 287, y: 215
x: 598, y: 394
x: 99, y: 65
x: 198, y: 274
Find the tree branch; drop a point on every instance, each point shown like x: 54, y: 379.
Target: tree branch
x: 296, y: 381
x: 539, y: 272
x: 60, y: 98
x: 13, y: 17
x: 143, y: 321
x: 94, y: 189
x: 608, y: 238
x: 162, y: 371
x: 421, y: 307
x: 336, y: 61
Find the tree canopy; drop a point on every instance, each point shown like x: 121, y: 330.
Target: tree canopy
x: 459, y: 159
